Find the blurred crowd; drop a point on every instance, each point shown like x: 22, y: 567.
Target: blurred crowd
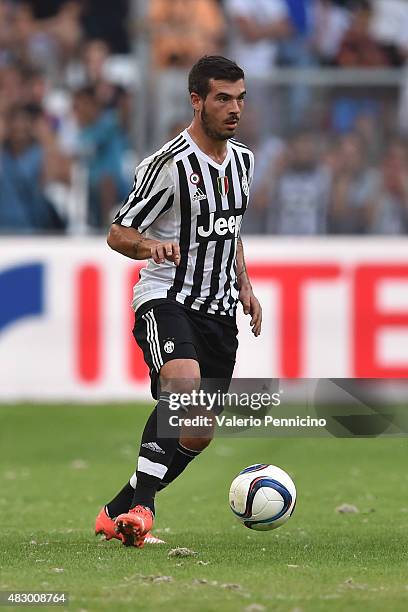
x: 65, y: 112
x: 313, y: 184
x: 328, y: 160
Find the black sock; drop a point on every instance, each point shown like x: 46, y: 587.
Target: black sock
x: 182, y: 457
x: 155, y: 456
x: 123, y: 500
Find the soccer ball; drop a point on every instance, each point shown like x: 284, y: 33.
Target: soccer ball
x: 262, y: 497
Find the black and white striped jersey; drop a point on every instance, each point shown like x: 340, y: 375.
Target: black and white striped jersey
x: 182, y: 195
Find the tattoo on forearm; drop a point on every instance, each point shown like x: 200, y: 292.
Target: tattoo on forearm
x: 240, y: 249
x: 137, y: 244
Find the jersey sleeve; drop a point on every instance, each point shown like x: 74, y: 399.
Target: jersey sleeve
x: 151, y: 196
x: 251, y: 169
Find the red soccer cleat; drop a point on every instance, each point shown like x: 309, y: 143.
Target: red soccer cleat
x: 134, y: 526
x: 106, y: 526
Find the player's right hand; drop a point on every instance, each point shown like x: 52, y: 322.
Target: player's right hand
x: 166, y: 250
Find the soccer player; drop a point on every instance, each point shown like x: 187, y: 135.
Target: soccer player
x: 184, y: 215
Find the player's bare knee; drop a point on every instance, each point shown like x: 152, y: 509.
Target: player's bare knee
x: 198, y: 435
x: 180, y: 376
x: 195, y: 443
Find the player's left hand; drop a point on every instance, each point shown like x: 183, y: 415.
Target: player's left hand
x: 252, y: 307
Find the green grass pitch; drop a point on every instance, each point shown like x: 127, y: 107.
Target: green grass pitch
x: 59, y: 464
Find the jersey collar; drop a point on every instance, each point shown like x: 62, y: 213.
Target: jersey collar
x: 208, y: 159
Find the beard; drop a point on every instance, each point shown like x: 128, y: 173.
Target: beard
x: 210, y: 130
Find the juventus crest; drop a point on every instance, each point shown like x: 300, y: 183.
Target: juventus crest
x: 244, y: 183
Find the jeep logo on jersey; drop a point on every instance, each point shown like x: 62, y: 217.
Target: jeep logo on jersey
x: 218, y: 225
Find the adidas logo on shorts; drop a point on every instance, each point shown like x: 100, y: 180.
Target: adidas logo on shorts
x: 154, y: 447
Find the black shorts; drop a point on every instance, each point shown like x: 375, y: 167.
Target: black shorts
x: 167, y: 330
